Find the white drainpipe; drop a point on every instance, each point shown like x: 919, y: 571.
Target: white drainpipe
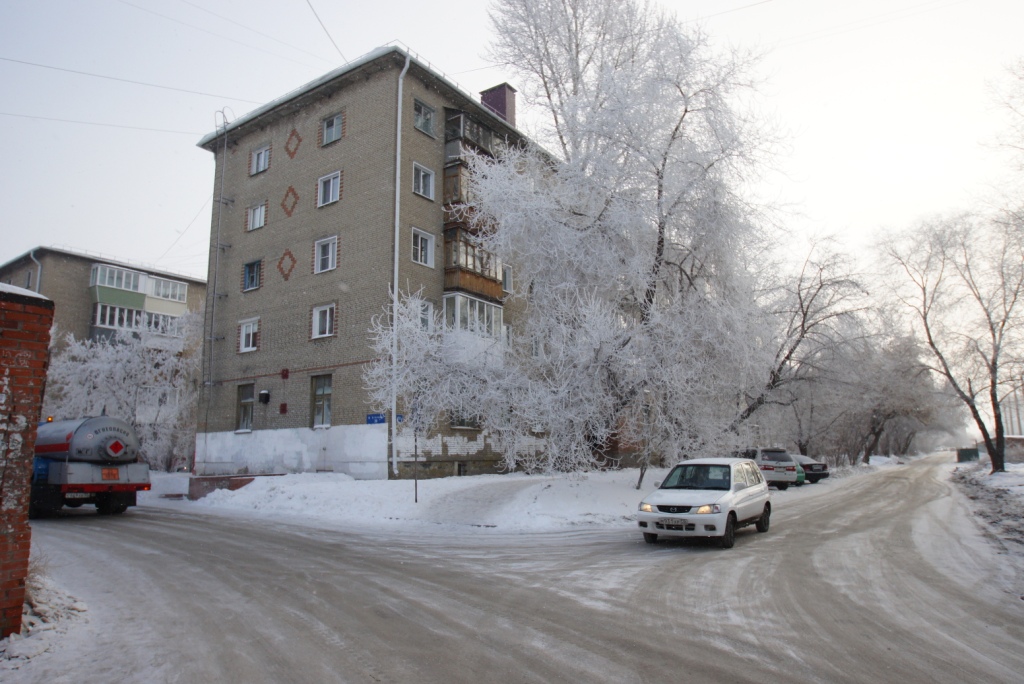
x: 394, y: 283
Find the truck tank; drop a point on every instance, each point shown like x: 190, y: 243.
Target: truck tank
x: 101, y: 439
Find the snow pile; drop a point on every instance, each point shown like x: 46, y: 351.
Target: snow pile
x: 49, y: 613
x: 514, y: 502
x: 996, y: 498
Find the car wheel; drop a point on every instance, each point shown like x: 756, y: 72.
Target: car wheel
x: 765, y: 519
x: 812, y: 480
x: 782, y: 486
x: 729, y: 538
x: 650, y: 537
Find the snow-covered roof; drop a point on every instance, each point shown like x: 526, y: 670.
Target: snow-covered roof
x: 100, y: 258
x: 12, y: 289
x: 355, y: 64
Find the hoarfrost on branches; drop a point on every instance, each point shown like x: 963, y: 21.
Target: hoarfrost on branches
x: 633, y: 313
x: 145, y: 378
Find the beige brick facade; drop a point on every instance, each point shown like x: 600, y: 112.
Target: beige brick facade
x: 287, y: 355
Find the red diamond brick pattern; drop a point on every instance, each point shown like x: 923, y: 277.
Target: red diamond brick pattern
x: 290, y: 201
x: 286, y: 264
x: 292, y: 145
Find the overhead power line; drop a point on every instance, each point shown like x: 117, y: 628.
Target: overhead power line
x: 126, y: 80
x: 97, y: 123
x: 248, y: 28
x: 217, y: 35
x: 308, y: 2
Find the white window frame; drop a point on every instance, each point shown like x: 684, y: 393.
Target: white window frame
x: 332, y: 262
x: 332, y: 184
x: 423, y: 117
x: 257, y: 216
x: 320, y: 321
x: 506, y: 278
x: 260, y: 160
x: 337, y: 126
x: 462, y: 312
x: 249, y: 335
x: 118, y: 278
x: 422, y: 248
x: 168, y: 289
x: 422, y: 181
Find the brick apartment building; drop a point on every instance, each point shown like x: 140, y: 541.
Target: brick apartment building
x: 96, y: 297
x: 326, y: 198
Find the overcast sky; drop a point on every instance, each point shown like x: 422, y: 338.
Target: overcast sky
x: 885, y: 104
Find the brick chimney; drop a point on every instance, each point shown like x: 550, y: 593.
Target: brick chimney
x: 501, y: 99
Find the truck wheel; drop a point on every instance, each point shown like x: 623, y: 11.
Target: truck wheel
x: 105, y: 506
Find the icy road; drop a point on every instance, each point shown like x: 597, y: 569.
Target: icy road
x: 883, y: 578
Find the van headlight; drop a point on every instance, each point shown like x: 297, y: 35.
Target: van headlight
x: 708, y: 508
x: 646, y: 507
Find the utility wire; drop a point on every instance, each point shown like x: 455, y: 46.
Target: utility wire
x: 308, y: 2
x: 869, y: 22
x: 217, y: 35
x: 126, y: 80
x: 182, y: 233
x: 259, y: 33
x: 97, y: 123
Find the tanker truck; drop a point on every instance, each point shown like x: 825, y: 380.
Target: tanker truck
x: 86, y: 461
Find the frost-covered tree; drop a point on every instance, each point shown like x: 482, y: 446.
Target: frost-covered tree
x: 962, y: 278
x: 143, y: 377
x: 810, y: 315
x: 629, y: 242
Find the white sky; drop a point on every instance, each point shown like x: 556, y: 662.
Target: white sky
x: 885, y: 103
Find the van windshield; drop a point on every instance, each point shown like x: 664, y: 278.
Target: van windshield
x: 698, y: 476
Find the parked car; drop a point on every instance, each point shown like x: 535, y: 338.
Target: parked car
x: 776, y: 464
x: 707, y: 497
x: 801, y: 476
x: 816, y: 470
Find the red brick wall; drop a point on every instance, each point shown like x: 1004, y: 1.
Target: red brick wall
x: 25, y: 323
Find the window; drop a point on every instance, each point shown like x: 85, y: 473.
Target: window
x: 323, y: 321
x: 466, y: 313
x: 119, y: 317
x: 108, y: 276
x: 248, y: 335
x: 329, y: 190
x: 427, y: 316
x: 326, y: 251
x: 506, y: 279
x: 424, y: 117
x: 462, y: 252
x: 465, y: 422
x: 163, y: 324
x: 321, y: 404
x: 251, y: 275
x: 257, y: 216
x: 246, y: 401
x: 422, y: 181
x: 28, y: 280
x: 334, y: 126
x: 260, y: 160
x: 422, y: 247
x: 167, y: 289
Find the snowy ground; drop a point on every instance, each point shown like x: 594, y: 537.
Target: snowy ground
x: 508, y: 504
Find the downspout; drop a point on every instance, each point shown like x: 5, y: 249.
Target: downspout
x: 394, y: 281
x: 39, y: 270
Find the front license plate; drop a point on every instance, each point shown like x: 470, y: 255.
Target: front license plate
x: 111, y: 474
x: 673, y: 521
